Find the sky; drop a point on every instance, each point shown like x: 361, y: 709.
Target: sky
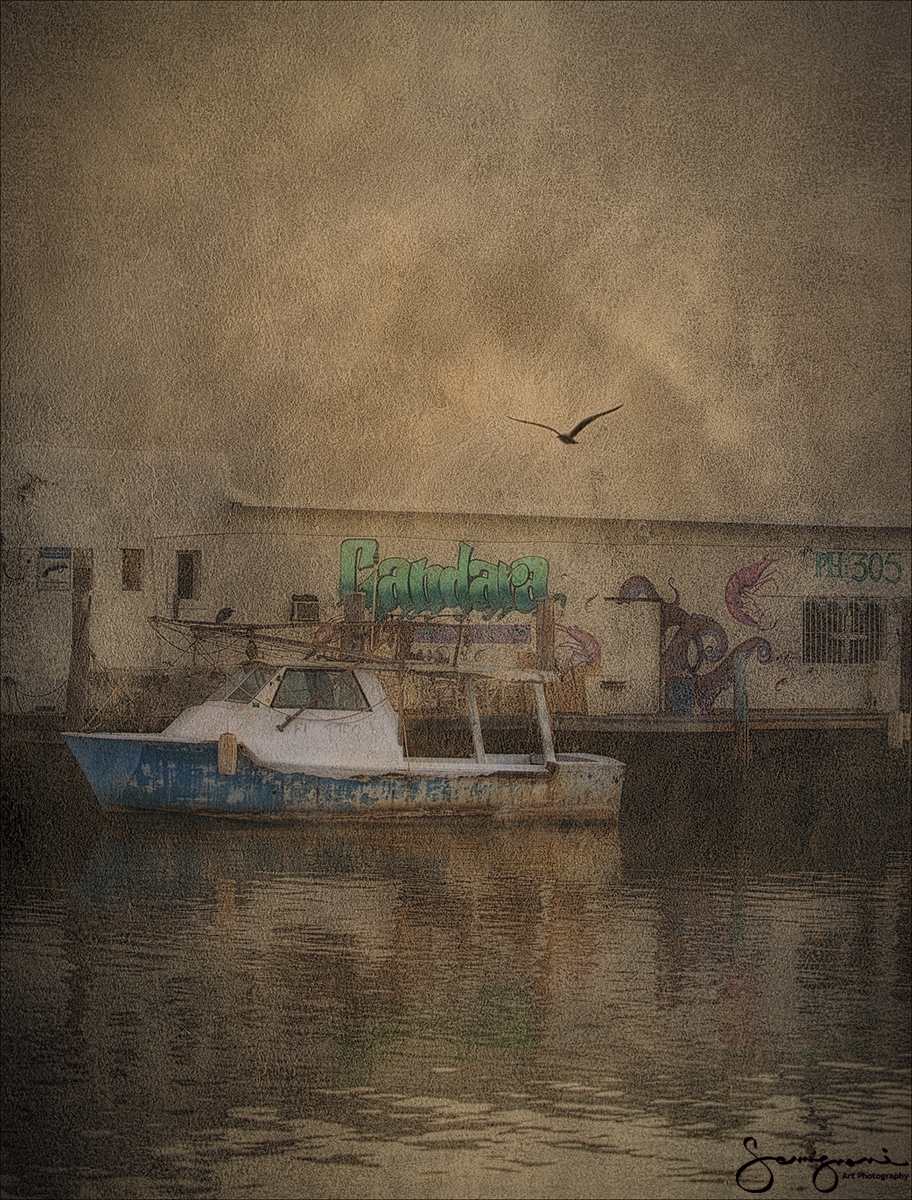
x: 341, y: 244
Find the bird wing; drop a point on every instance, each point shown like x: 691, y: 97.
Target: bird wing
x: 538, y: 423
x: 582, y: 425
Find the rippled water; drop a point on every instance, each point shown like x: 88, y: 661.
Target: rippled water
x: 224, y: 1010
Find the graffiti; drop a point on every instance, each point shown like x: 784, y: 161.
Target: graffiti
x: 396, y: 584
x: 792, y: 662
x: 582, y: 646
x: 745, y: 586
x: 638, y: 587
x: 55, y: 568
x: 697, y: 641
x: 708, y: 687
x: 688, y: 652
x: 858, y: 565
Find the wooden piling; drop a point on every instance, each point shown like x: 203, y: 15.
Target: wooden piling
x: 354, y: 616
x: 742, y: 728
x: 227, y: 754
x: 80, y: 649
x: 544, y: 632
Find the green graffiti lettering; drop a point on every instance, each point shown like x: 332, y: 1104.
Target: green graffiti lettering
x: 416, y: 587
x: 449, y: 597
x: 462, y: 576
x: 424, y: 587
x: 529, y: 577
x: 357, y: 555
x: 504, y: 591
x: 393, y: 586
x: 483, y: 586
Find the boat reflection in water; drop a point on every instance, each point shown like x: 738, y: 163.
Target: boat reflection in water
x: 443, y: 1008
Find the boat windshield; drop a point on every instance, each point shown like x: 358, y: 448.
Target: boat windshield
x: 242, y: 685
x: 336, y: 690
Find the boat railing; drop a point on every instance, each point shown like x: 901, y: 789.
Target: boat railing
x: 265, y: 636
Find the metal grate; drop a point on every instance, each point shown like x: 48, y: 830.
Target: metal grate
x: 847, y: 632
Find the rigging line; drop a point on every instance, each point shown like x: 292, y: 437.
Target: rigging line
x: 403, y: 731
x: 18, y: 688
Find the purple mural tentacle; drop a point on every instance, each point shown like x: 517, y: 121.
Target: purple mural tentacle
x: 708, y: 687
x: 687, y: 652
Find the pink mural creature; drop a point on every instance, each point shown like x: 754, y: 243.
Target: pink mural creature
x: 745, y: 585
x: 583, y: 646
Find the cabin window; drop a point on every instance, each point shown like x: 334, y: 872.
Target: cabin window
x: 242, y: 686
x: 188, y: 572
x: 846, y: 632
x: 336, y: 690
x: 131, y: 570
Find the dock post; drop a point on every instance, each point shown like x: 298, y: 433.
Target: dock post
x: 742, y: 728
x: 544, y: 632
x: 80, y: 650
x: 544, y: 724
x: 353, y: 617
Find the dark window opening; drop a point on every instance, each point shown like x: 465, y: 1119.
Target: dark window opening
x: 847, y: 632
x: 131, y: 570
x: 187, y: 575
x: 305, y: 608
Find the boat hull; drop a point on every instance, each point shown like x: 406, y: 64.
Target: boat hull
x: 141, y: 773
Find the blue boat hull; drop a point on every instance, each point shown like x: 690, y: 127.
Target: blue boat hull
x: 139, y: 773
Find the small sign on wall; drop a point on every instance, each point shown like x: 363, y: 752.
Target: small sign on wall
x: 54, y: 567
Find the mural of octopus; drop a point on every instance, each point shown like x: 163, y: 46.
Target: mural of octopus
x: 745, y: 586
x: 698, y: 641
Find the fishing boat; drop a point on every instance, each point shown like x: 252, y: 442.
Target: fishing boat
x: 323, y: 739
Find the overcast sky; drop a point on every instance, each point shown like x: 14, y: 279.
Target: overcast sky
x: 342, y: 242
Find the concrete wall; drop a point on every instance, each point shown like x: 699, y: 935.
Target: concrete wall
x: 750, y: 582
x: 623, y: 592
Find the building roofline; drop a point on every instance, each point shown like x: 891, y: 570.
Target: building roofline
x: 358, y: 514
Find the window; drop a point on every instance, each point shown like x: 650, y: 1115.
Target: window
x: 131, y: 570
x: 849, y: 632
x: 241, y: 686
x: 305, y: 608
x: 336, y: 690
x: 187, y: 575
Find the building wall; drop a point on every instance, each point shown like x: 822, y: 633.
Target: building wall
x: 623, y: 592
x: 817, y: 612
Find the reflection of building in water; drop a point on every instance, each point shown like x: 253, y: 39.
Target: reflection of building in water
x: 304, y: 958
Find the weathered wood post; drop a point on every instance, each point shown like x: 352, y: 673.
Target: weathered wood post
x: 354, y: 611
x: 742, y: 728
x: 80, y: 650
x: 905, y: 688
x: 544, y: 632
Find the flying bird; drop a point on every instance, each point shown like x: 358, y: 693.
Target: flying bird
x: 222, y: 615
x: 569, y: 439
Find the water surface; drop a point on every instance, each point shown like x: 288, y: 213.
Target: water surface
x: 217, y: 1009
